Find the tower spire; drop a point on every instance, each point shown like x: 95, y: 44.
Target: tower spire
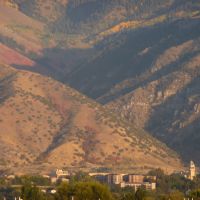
x: 192, y: 173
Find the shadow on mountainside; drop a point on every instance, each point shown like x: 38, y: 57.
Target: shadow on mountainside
x: 182, y: 135
x: 129, y: 55
x: 126, y: 61
x: 6, y: 87
x: 123, y: 56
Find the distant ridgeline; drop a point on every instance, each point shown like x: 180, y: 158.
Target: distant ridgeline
x: 89, y: 15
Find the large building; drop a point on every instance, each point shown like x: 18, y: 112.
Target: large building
x: 127, y: 180
x: 114, y: 179
x: 132, y: 178
x: 136, y: 186
x: 137, y: 181
x: 61, y: 175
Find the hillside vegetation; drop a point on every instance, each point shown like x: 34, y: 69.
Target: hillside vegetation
x: 55, y: 126
x: 166, y: 102
x: 138, y: 58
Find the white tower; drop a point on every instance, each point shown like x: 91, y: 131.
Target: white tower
x: 192, y: 174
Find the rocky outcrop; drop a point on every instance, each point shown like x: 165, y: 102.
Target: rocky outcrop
x: 168, y: 106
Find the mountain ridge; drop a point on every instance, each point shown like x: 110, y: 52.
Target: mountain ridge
x: 118, y: 53
x: 55, y: 126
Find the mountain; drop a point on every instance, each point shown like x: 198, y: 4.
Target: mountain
x: 102, y: 44
x: 128, y: 55
x: 166, y: 102
x: 46, y: 125
x: 130, y: 49
x: 20, y: 31
x: 86, y: 16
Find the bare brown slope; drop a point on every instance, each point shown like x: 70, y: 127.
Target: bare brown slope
x: 141, y: 48
x: 49, y: 125
x: 12, y: 57
x: 22, y: 32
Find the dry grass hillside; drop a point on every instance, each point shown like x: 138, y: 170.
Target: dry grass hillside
x: 46, y: 125
x: 21, y: 32
x: 12, y: 57
x: 142, y: 57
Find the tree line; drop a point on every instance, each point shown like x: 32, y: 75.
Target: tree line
x: 83, y: 187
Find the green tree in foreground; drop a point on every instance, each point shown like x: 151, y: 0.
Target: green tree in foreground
x: 128, y: 196
x: 30, y: 192
x: 140, y: 194
x: 176, y: 195
x: 195, y: 194
x: 83, y: 191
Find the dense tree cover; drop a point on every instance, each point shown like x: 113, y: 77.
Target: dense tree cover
x: 83, y: 191
x: 195, y: 194
x: 8, y: 192
x: 82, y: 177
x: 82, y: 187
x: 168, y: 183
x: 30, y: 192
x: 37, y: 180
